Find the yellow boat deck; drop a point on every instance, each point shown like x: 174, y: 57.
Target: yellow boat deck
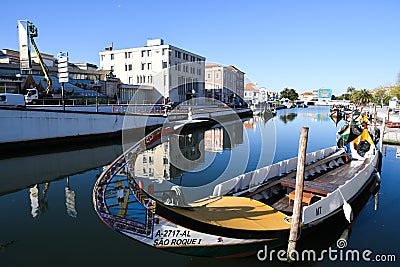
x: 237, y: 213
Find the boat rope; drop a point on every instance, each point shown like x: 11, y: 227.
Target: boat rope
x: 298, y: 235
x: 341, y: 195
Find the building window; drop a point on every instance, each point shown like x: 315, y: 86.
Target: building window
x: 177, y: 54
x: 148, y: 53
x: 164, y: 64
x: 143, y: 65
x: 217, y: 75
x: 112, y: 68
x: 163, y: 51
x: 126, y: 67
x: 130, y: 80
x: 143, y: 53
x: 149, y: 66
x: 208, y: 75
x: 165, y: 80
x: 130, y: 67
x: 102, y: 57
x: 144, y: 159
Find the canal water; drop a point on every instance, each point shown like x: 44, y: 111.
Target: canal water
x: 47, y: 216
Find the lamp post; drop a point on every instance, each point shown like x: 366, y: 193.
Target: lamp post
x: 97, y: 94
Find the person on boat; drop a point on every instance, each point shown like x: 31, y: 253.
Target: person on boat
x: 120, y: 196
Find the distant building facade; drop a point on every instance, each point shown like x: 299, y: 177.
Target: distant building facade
x: 84, y: 77
x: 251, y: 93
x: 172, y: 72
x: 309, y: 96
x: 223, y: 82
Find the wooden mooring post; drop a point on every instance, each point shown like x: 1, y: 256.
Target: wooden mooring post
x: 374, y: 120
x: 382, y: 134
x: 301, y: 160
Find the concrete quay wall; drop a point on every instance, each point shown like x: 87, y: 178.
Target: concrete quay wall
x: 54, y: 127
x: 20, y: 125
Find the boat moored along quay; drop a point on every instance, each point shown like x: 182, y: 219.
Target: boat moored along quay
x: 242, y: 214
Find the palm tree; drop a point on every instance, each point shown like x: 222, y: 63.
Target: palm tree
x: 363, y: 97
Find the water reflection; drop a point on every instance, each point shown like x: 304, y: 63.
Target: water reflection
x: 202, y: 155
x: 70, y: 201
x: 288, y: 117
x: 196, y: 146
x: 38, y: 173
x: 21, y: 172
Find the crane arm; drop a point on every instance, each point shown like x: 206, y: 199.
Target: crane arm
x: 44, y: 67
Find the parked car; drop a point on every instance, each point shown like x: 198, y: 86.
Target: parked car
x: 12, y: 100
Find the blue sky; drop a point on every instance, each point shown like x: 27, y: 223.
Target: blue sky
x: 298, y: 44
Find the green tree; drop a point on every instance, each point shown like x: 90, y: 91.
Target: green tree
x: 362, y: 96
x: 350, y: 89
x: 346, y: 96
x: 380, y: 96
x: 291, y: 94
x: 395, y: 92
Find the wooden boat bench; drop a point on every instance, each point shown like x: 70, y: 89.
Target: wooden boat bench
x: 307, y: 197
x: 345, y: 158
x: 318, y: 188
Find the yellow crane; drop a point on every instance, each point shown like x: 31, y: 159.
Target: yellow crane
x: 33, y: 32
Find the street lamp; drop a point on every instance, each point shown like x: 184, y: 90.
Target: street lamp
x: 97, y: 93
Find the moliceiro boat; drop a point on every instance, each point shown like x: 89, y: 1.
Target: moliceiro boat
x: 242, y: 214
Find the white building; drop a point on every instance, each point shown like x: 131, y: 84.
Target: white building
x: 222, y: 82
x: 171, y: 71
x: 251, y: 93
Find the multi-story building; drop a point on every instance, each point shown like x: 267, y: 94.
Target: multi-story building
x: 223, y: 82
x: 174, y: 73
x: 84, y: 78
x: 251, y: 93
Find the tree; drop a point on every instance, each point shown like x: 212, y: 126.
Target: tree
x: 291, y: 94
x: 395, y: 92
x: 350, y: 89
x: 380, y: 96
x: 362, y: 96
